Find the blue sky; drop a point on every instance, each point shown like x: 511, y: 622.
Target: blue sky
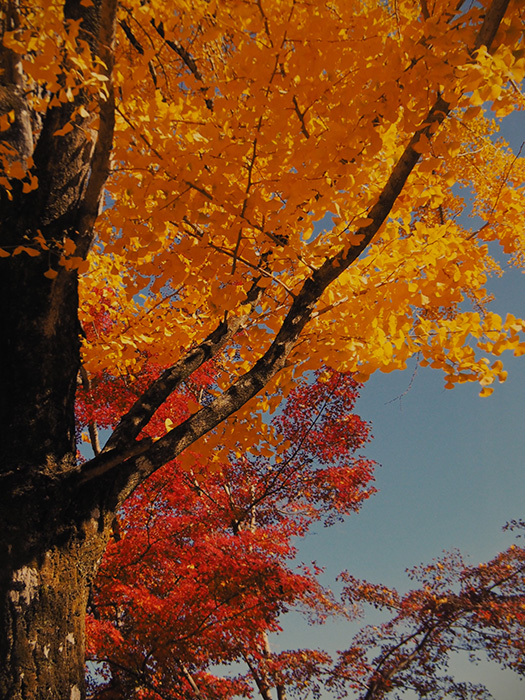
x: 452, y: 474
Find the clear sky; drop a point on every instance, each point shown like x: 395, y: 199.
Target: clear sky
x: 452, y: 475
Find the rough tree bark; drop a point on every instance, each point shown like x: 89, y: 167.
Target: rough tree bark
x: 55, y: 516
x: 51, y: 538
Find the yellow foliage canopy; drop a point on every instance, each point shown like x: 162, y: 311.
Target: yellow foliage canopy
x: 276, y: 160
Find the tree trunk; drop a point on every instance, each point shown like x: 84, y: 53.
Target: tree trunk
x: 43, y: 606
x: 52, y: 530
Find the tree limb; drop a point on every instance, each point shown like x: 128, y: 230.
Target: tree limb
x: 144, y: 408
x: 100, y: 162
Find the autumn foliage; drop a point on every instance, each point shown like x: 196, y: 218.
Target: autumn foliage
x: 272, y: 181
x: 201, y: 569
x: 477, y: 610
x: 201, y: 565
x: 200, y: 572
x: 239, y: 127
x: 201, y: 204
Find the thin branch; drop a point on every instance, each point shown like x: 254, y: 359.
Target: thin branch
x: 191, y: 681
x: 260, y: 681
x: 143, y: 677
x: 378, y: 684
x: 132, y: 38
x: 301, y: 116
x: 246, y: 195
x: 197, y: 233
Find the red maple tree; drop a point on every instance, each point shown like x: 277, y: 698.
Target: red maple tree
x: 201, y: 566
x: 202, y: 563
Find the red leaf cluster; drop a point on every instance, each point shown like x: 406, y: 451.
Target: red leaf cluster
x: 478, y: 610
x: 202, y: 565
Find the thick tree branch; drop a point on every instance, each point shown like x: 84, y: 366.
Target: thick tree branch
x: 71, y: 166
x: 100, y: 162
x: 491, y: 23
x: 77, y: 162
x: 248, y: 385
x: 142, y: 411
x: 19, y: 136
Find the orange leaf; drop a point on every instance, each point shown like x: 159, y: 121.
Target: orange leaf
x: 65, y: 130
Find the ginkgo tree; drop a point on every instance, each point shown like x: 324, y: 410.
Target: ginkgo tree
x: 274, y: 185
